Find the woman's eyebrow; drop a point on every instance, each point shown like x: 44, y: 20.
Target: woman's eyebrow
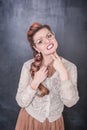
x: 37, y: 40
x: 42, y: 37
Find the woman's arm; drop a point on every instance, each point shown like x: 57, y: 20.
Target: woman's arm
x: 68, y: 89
x: 68, y: 79
x: 25, y: 92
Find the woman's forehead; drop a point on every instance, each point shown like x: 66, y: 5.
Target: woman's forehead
x: 41, y: 33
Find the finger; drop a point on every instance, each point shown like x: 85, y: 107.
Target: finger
x: 55, y: 54
x: 43, y: 68
x: 46, y: 72
x: 53, y: 57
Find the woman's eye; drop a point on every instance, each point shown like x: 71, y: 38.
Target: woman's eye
x: 39, y: 42
x: 49, y: 35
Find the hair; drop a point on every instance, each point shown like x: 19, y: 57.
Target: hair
x: 38, y: 58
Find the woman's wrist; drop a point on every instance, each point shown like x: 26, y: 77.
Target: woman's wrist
x: 34, y: 85
x: 64, y: 75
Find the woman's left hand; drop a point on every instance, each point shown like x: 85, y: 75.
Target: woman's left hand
x: 59, y: 66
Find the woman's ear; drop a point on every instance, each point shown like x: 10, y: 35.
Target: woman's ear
x: 36, y: 49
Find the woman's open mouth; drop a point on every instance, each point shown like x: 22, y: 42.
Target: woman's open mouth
x: 50, y: 46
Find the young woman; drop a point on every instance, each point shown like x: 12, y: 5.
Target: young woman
x: 47, y: 83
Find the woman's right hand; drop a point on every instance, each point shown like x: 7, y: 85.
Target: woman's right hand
x: 39, y: 77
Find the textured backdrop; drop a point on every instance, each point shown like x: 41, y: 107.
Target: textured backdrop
x: 68, y: 19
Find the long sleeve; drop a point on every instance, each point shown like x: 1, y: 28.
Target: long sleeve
x: 68, y: 89
x: 25, y: 93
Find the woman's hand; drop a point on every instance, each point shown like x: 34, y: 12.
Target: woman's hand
x: 59, y: 66
x: 39, y: 77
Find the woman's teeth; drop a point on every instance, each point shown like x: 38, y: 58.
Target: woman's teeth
x: 50, y: 46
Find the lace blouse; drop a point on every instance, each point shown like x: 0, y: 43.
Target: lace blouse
x: 49, y: 106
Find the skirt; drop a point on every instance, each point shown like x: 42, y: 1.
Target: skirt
x: 27, y: 122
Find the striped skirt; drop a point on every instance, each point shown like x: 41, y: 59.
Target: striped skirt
x: 27, y: 122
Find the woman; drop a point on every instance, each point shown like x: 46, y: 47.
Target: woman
x: 47, y: 83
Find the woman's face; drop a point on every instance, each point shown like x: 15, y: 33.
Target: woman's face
x: 45, y: 42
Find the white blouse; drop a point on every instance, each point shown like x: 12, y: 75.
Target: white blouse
x: 49, y: 106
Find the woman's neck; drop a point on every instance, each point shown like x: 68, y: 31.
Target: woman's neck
x: 47, y: 60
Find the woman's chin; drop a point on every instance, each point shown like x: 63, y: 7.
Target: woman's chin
x: 51, y: 52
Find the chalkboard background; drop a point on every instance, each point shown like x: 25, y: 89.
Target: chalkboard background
x: 68, y: 19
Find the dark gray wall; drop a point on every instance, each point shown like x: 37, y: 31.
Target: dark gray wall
x: 68, y: 19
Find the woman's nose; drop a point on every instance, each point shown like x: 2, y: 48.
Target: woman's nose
x: 46, y: 40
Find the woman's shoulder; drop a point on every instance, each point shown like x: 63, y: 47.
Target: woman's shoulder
x: 68, y: 63
x: 28, y: 63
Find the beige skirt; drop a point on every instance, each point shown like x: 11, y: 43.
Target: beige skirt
x: 27, y: 122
